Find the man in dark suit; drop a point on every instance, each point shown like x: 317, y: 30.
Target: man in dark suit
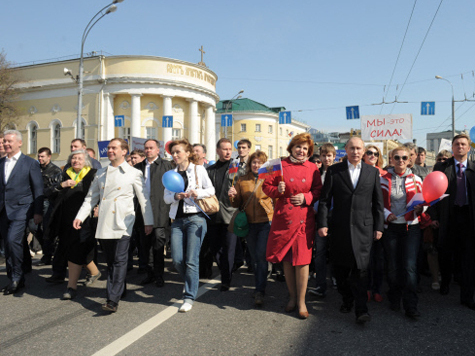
x: 153, y: 168
x: 357, y: 219
x: 455, y: 217
x: 21, y: 197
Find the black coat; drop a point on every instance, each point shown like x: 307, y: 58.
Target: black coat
x: 356, y: 214
x: 159, y: 208
x: 443, y: 210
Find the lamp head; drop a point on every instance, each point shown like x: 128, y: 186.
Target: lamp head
x: 117, y: 1
x: 111, y: 9
x: 241, y: 91
x: 438, y: 77
x: 67, y: 71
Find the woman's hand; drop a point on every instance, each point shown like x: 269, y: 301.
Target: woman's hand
x: 96, y: 212
x: 297, y: 199
x: 180, y: 196
x: 232, y: 192
x: 193, y: 193
x: 392, y: 217
x: 68, y: 183
x: 281, y: 187
x: 418, y: 209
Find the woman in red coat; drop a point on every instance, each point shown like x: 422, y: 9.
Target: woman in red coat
x: 293, y: 225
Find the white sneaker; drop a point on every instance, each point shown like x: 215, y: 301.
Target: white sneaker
x: 186, y: 307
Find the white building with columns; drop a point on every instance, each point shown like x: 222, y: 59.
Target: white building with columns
x: 141, y: 88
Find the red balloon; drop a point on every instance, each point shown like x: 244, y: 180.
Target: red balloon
x: 167, y: 145
x: 434, y: 186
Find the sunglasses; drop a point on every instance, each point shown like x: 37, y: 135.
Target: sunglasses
x: 318, y: 161
x: 398, y: 158
x: 372, y: 153
x: 443, y: 159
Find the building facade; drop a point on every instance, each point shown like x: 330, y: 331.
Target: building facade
x: 259, y: 124
x: 141, y: 88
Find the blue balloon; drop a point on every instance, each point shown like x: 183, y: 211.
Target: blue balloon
x: 472, y: 134
x: 211, y: 162
x: 173, y: 181
x: 236, y: 143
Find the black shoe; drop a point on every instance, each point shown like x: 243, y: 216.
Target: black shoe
x: 159, y: 282
x: 237, y: 265
x: 55, y: 279
x: 224, y: 287
x: 469, y: 304
x: 412, y: 313
x: 444, y: 289
x: 147, y: 280
x: 13, y: 287
x: 346, y: 308
x: 280, y: 277
x: 141, y: 271
x: 45, y: 260
x: 110, y: 306
x: 363, y: 318
x: 70, y: 294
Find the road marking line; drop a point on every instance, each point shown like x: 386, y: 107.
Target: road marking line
x: 128, y: 339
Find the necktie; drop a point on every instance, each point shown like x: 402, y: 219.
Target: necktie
x: 460, y: 198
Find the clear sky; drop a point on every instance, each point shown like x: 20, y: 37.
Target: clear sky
x: 313, y: 57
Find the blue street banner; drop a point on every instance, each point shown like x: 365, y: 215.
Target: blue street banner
x: 352, y: 112
x: 428, y: 108
x: 285, y: 117
x: 119, y: 120
x: 339, y: 155
x: 226, y: 120
x: 167, y: 121
x: 103, y: 148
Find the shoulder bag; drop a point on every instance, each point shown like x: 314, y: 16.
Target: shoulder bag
x: 209, y: 205
x: 239, y: 224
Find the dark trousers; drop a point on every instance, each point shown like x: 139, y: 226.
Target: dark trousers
x: 352, y: 283
x: 450, y: 247
x: 401, y: 246
x: 60, y: 260
x: 153, y: 247
x: 116, y: 253
x: 223, y: 248
x: 376, y: 267
x: 46, y: 243
x: 12, y: 233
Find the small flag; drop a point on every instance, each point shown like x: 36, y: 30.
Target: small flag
x: 271, y: 167
x: 233, y: 167
x: 419, y: 200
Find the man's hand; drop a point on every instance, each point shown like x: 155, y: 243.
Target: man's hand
x: 377, y: 235
x: 148, y: 229
x: 323, y: 231
x: 435, y: 224
x: 297, y: 199
x: 77, y: 224
x: 281, y: 187
x: 96, y: 212
x: 232, y: 192
x: 37, y: 218
x: 392, y: 217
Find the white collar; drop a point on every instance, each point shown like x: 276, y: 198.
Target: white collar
x: 149, y: 163
x: 464, y: 162
x: 15, y: 157
x: 352, y: 166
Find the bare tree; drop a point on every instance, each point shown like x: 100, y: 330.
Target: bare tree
x: 9, y: 110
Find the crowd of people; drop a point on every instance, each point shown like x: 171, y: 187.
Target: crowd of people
x: 296, y: 218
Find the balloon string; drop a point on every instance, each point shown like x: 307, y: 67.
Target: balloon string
x: 199, y: 208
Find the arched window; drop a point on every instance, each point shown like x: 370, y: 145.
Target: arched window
x: 56, y: 138
x: 33, y: 138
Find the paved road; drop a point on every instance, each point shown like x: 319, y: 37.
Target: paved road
x: 37, y: 323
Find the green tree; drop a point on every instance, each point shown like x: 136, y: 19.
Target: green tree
x: 9, y: 111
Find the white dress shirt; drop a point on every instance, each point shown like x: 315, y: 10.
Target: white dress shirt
x: 10, y: 164
x: 147, y: 173
x: 354, y: 173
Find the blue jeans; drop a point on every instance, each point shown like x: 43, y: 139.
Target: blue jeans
x: 186, y: 238
x: 401, y: 245
x: 321, y: 262
x: 257, y: 245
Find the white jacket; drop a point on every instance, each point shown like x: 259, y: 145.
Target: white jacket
x: 114, y: 188
x: 204, y: 189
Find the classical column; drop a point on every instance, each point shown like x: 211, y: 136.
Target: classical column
x: 210, y: 138
x: 108, y: 130
x: 167, y: 111
x: 135, y: 125
x: 194, y: 128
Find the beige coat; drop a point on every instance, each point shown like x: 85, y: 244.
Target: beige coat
x: 113, y: 188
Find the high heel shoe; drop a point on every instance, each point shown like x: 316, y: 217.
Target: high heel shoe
x: 303, y: 315
x: 290, y: 308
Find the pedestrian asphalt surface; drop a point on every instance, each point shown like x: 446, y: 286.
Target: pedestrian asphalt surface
x: 36, y: 322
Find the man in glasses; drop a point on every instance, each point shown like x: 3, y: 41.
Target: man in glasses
x: 455, y: 217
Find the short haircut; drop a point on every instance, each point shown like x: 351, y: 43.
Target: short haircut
x: 222, y: 140
x: 462, y: 135
x: 411, y: 146
x: 45, y: 149
x: 421, y: 150
x: 89, y: 149
x: 14, y: 132
x: 200, y: 145
x: 401, y: 148
x: 138, y: 152
x: 299, y: 139
x: 80, y: 152
x: 188, y: 148
x: 444, y: 153
x: 245, y: 141
x: 314, y: 158
x: 380, y: 158
x: 83, y: 143
x: 152, y: 139
x: 261, y: 155
x: 354, y: 138
x: 123, y: 143
x: 327, y: 148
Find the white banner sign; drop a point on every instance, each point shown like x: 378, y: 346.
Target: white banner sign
x: 445, y: 145
x: 386, y: 127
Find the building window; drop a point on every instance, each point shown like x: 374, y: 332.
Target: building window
x: 243, y: 127
x: 280, y: 151
x: 151, y: 132
x: 287, y: 132
x: 258, y: 127
x: 271, y: 150
x: 33, y: 138
x: 125, y: 133
x: 280, y: 131
x: 83, y: 128
x: 56, y: 138
x: 270, y: 129
x: 258, y: 147
x: 176, y: 134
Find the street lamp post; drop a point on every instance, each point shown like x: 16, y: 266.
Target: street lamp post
x: 453, y: 103
x: 230, y: 104
x: 80, y: 79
